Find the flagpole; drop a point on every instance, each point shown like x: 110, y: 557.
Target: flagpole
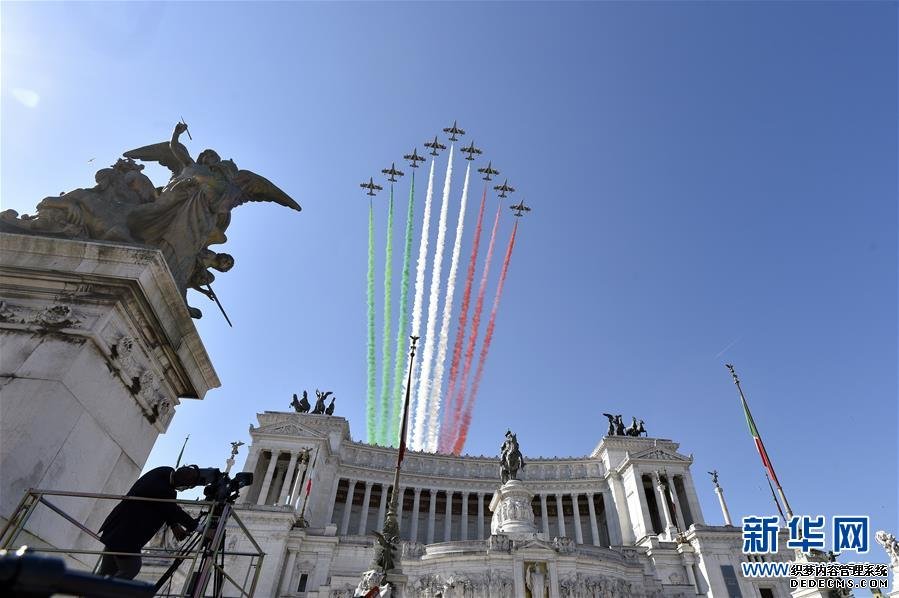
x: 394, y: 498
x: 761, y: 446
x: 181, y: 454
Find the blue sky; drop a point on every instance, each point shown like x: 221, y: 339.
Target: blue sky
x: 711, y: 182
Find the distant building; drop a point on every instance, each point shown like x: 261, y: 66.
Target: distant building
x: 622, y: 521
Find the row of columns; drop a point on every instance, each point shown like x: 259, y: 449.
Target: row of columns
x: 291, y: 483
x: 576, y: 511
x: 362, y: 529
x: 344, y: 528
x: 664, y: 493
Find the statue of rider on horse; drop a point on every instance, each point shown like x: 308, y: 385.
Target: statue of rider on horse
x: 511, y: 459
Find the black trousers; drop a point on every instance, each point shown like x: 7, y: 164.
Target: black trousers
x: 125, y: 567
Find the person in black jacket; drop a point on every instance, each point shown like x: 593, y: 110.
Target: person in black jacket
x: 132, y: 523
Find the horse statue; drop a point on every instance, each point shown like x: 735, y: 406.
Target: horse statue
x: 301, y: 406
x: 321, y: 397
x: 511, y: 459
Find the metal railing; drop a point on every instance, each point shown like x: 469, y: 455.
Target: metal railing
x: 204, y: 551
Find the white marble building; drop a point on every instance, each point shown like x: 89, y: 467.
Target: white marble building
x: 606, y: 525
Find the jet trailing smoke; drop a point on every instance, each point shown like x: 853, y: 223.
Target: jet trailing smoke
x: 442, y: 405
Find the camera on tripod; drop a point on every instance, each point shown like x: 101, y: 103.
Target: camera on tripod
x: 219, y: 486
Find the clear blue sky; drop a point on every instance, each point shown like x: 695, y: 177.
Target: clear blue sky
x: 711, y: 182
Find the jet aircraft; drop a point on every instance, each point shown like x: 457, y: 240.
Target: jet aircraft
x: 453, y: 131
x: 392, y: 172
x: 488, y: 171
x: 504, y: 189
x: 435, y: 146
x: 413, y: 158
x: 371, y: 186
x: 520, y: 209
x: 471, y: 150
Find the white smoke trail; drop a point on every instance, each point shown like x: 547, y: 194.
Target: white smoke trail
x: 420, y: 279
x: 427, y: 354
x: 443, y: 339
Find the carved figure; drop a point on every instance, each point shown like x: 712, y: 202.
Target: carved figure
x: 511, y: 459
x: 535, y: 580
x: 714, y: 474
x: 619, y: 426
x: 641, y: 430
x: 300, y: 406
x: 329, y: 410
x: 182, y: 219
x: 611, y: 419
x: 321, y: 397
x: 633, y: 429
x: 385, y: 549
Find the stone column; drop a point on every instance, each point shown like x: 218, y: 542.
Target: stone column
x: 432, y: 511
x: 288, y: 479
x: 560, y: 515
x: 480, y: 516
x: 269, y: 474
x: 250, y: 466
x: 382, y: 507
x: 544, y: 515
x: 613, y: 524
x: 692, y: 499
x: 578, y: 532
x: 670, y: 530
x: 594, y: 529
x: 620, y: 507
x: 348, y: 506
x: 448, y: 517
x: 724, y: 512
x: 678, y: 513
x: 413, y: 531
x: 463, y: 528
x: 287, y: 574
x: 363, y: 518
x: 333, y: 502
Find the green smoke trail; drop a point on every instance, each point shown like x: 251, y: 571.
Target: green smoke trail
x: 402, y: 326
x: 370, y: 297
x: 384, y: 423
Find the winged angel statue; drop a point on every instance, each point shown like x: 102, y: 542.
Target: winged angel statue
x: 182, y: 219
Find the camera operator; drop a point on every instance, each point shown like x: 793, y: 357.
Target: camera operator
x: 132, y: 523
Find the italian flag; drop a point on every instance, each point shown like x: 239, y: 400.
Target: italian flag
x: 759, y: 445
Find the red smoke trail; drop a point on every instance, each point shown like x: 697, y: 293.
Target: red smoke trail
x: 449, y: 415
x: 473, y: 337
x: 488, y: 336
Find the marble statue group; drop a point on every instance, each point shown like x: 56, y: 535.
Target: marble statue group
x: 617, y: 428
x: 182, y: 219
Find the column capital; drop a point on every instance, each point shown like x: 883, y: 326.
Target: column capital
x: 417, y: 491
x: 432, y: 491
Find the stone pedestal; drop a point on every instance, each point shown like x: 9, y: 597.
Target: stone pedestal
x: 96, y: 349
x: 512, y: 512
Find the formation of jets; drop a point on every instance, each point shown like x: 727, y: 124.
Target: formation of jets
x: 435, y: 146
x: 487, y: 171
x: 504, y: 189
x: 413, y: 158
x: 520, y: 209
x: 471, y: 150
x: 392, y: 173
x: 453, y: 131
x: 371, y: 186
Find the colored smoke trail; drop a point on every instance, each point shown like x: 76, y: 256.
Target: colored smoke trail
x: 371, y: 418
x: 427, y: 355
x: 402, y: 326
x: 449, y: 415
x: 473, y: 336
x: 443, y: 338
x: 384, y: 422
x: 488, y: 336
x: 420, y: 276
